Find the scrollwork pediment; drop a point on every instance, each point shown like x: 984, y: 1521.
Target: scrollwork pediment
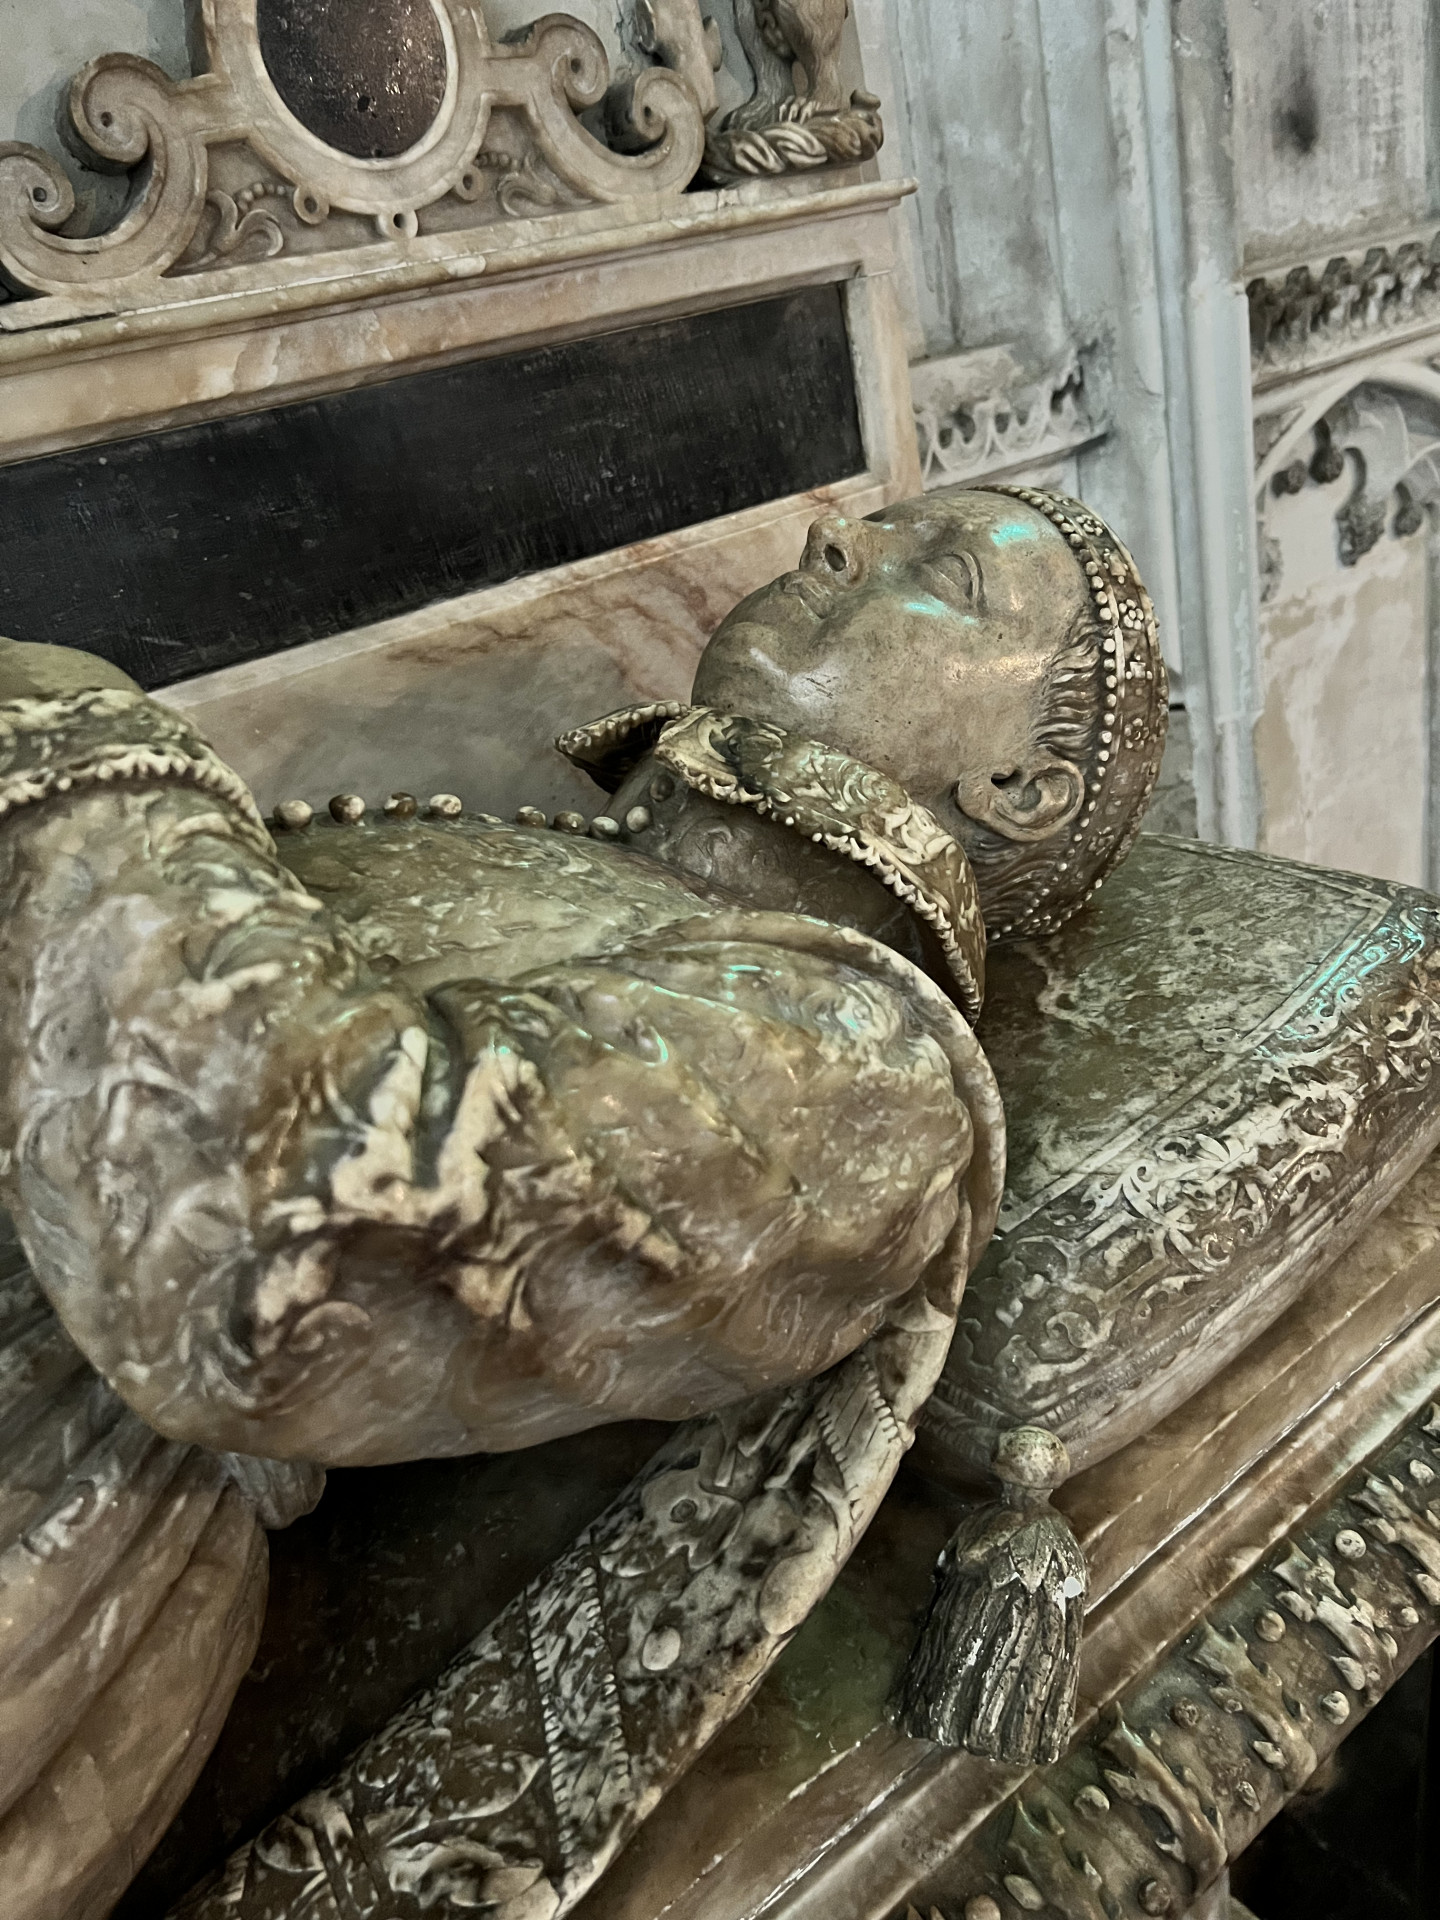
x: 267, y: 148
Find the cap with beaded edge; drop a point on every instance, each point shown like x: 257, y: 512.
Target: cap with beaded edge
x: 1131, y: 733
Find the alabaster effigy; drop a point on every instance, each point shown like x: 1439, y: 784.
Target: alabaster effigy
x: 402, y: 1131
x: 423, y: 1133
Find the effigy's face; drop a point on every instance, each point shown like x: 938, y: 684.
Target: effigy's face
x: 918, y: 640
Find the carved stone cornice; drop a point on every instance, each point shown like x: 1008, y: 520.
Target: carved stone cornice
x: 978, y: 417
x: 1181, y: 1773
x: 1305, y: 316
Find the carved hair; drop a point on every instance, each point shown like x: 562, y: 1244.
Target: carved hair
x: 1073, y: 697
x: 1103, y: 708
x: 1072, y: 703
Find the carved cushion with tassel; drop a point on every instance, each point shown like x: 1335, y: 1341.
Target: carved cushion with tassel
x: 1214, y: 1079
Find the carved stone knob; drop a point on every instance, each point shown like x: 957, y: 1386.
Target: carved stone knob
x: 530, y: 817
x: 402, y: 806
x: 1030, y: 1457
x: 444, y: 806
x: 347, y: 808
x: 293, y: 815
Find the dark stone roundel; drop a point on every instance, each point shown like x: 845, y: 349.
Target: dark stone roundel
x: 366, y: 76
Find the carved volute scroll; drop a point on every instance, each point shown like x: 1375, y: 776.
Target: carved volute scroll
x: 298, y: 133
x: 125, y: 111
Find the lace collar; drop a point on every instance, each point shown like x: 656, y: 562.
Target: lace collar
x: 857, y: 811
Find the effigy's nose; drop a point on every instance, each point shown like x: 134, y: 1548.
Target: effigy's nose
x: 838, y: 548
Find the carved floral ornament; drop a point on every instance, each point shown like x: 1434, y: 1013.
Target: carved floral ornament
x: 240, y: 161
x: 1378, y: 447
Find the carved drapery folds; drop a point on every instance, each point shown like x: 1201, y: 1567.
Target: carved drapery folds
x: 239, y: 164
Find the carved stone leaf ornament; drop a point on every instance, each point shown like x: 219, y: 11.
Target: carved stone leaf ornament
x: 975, y: 420
x: 790, y: 124
x: 1300, y: 317
x: 126, y: 111
x: 1388, y: 442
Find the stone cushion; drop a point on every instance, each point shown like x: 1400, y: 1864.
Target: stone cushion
x: 1213, y: 1080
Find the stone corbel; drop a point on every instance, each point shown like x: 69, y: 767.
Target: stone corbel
x: 126, y: 111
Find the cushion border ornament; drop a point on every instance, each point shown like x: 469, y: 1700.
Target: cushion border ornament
x: 1276, y: 1146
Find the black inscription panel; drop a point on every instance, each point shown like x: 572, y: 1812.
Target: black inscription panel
x: 175, y: 553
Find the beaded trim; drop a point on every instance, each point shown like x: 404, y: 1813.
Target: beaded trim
x: 1132, y: 734
x: 609, y: 749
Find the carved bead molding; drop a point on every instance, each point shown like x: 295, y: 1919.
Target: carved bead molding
x: 227, y: 174
x: 978, y: 417
x: 1299, y: 318
x: 1388, y: 443
x: 1182, y: 1772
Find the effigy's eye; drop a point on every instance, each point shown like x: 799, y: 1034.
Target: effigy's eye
x: 955, y: 577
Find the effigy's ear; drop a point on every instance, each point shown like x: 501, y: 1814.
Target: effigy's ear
x: 1025, y: 803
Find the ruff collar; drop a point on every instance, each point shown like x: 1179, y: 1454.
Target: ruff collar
x: 819, y: 792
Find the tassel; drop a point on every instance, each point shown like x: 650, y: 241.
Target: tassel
x: 998, y: 1659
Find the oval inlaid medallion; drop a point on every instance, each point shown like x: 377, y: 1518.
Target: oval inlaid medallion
x: 365, y: 76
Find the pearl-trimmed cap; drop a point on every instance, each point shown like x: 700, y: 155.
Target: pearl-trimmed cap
x: 1123, y: 770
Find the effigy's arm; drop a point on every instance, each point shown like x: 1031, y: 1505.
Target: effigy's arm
x: 510, y: 1785
x: 192, y: 1051
x: 289, y: 1207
